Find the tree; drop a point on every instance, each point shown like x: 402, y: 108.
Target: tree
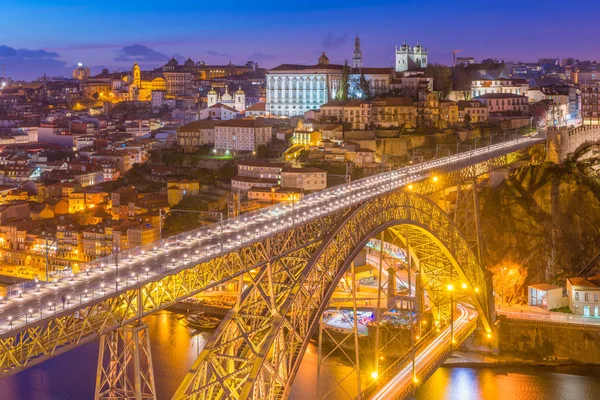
x: 467, y: 119
x: 364, y: 87
x: 442, y: 78
x: 342, y: 93
x: 96, y: 95
x: 262, y: 151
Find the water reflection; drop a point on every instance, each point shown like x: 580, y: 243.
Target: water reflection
x: 525, y: 383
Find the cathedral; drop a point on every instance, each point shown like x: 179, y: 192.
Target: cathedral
x: 410, y: 58
x: 237, y: 101
x: 141, y: 89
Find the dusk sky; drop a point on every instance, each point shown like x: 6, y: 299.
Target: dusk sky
x: 52, y: 36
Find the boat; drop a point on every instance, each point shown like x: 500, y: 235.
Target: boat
x: 201, y: 321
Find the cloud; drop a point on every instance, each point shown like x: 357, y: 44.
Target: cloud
x: 6, y: 51
x: 331, y: 41
x: 30, y: 64
x: 260, y: 57
x: 140, y: 53
x: 217, y: 54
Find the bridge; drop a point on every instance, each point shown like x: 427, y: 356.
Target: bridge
x: 293, y: 254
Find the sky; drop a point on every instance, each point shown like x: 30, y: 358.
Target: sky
x: 41, y: 36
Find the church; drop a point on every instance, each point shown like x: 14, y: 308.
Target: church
x: 142, y: 86
x: 293, y: 89
x: 237, y: 101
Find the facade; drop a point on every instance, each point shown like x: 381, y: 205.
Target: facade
x: 179, y: 77
x: 256, y: 110
x: 81, y: 73
x: 410, y: 58
x: 356, y: 113
x: 306, y: 179
x: 590, y: 103
x: 237, y: 101
x: 195, y: 134
x: 294, y: 89
x: 545, y: 295
x: 142, y: 86
x: 504, y: 102
x: 393, y: 112
x: 178, y: 189
x: 481, y: 87
x: 242, y: 134
x: 584, y: 296
x: 219, y: 112
x: 475, y: 109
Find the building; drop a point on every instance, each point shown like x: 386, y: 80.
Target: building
x: 480, y: 87
x: 256, y: 174
x: 195, y: 134
x: 545, y: 295
x: 219, y: 112
x: 590, y: 103
x: 242, y: 134
x: 504, y: 102
x: 237, y: 101
x: 477, y: 111
x: 393, y: 112
x: 293, y: 89
x: 256, y: 110
x: 178, y: 189
x: 81, y: 73
x: 410, y: 58
x: 356, y: 113
x: 584, y: 296
x: 305, y: 179
x: 179, y: 77
x: 144, y: 84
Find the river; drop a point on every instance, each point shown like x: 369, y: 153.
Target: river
x: 174, y: 348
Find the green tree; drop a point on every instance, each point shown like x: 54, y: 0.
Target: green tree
x: 442, y: 78
x: 342, y: 93
x: 364, y: 87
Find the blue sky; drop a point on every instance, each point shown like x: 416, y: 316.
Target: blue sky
x: 114, y: 33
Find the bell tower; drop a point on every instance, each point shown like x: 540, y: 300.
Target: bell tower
x: 357, y: 59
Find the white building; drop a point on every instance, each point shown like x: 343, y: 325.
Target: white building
x: 256, y: 110
x: 500, y: 85
x: 242, y: 134
x: 584, y: 296
x: 158, y: 98
x: 256, y: 174
x: 410, y: 58
x: 237, y: 101
x: 220, y: 112
x: 307, y: 179
x: 545, y: 295
x: 294, y: 89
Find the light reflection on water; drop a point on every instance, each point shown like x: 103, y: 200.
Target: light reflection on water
x: 514, y: 383
x: 71, y: 376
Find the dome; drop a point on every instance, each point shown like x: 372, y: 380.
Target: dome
x: 405, y: 46
x: 240, y: 91
x: 212, y: 91
x: 323, y: 59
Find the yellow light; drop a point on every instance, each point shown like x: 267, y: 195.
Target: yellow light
x: 374, y: 374
x: 464, y: 285
x: 476, y: 290
x: 415, y: 379
x: 489, y: 335
x: 381, y: 357
x: 435, y: 178
x: 410, y: 187
x: 417, y: 337
x: 450, y: 287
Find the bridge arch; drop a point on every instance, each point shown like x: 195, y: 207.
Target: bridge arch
x: 257, y: 356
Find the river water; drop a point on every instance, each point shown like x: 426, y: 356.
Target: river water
x: 175, y: 347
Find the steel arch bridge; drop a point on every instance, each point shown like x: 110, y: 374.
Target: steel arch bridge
x: 258, y: 348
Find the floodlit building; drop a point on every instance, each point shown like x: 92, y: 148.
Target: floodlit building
x: 584, y: 296
x: 545, y: 295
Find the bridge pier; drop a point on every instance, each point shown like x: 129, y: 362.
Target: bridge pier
x: 129, y: 374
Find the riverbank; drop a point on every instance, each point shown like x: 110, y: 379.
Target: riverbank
x: 461, y: 359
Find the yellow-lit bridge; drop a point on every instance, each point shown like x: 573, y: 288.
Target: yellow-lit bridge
x: 294, y: 255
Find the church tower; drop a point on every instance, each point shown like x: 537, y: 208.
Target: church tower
x: 137, y: 75
x: 357, y: 59
x: 240, y: 100
x: 212, y: 97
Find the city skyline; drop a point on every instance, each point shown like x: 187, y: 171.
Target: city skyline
x: 270, y: 33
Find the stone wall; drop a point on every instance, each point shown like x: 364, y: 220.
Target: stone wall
x: 539, y: 340
x: 563, y: 143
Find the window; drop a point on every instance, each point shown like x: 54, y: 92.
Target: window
x: 596, y: 297
x: 576, y: 296
x: 586, y: 297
